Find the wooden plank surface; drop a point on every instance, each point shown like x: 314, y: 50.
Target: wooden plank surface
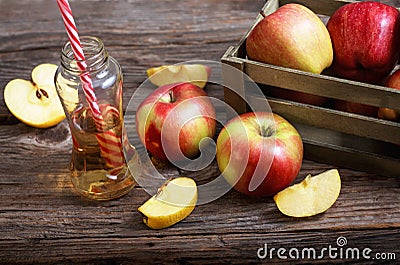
x: 42, y: 220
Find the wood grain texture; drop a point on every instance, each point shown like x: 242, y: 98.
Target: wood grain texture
x: 42, y: 220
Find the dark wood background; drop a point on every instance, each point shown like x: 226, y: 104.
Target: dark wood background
x: 42, y: 220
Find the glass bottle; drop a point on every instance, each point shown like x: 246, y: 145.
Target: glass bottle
x: 100, y: 154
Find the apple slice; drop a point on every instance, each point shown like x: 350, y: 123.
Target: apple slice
x: 174, y: 201
x: 43, y: 74
x: 35, y: 103
x: 196, y: 74
x: 312, y: 196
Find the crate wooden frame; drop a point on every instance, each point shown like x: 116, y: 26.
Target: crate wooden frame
x: 331, y: 136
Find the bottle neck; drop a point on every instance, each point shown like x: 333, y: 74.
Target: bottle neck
x: 94, y: 52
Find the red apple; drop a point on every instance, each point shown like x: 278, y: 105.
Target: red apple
x: 366, y: 40
x: 357, y: 108
x: 173, y: 119
x: 386, y: 113
x: 298, y: 96
x: 259, y: 153
x: 293, y: 36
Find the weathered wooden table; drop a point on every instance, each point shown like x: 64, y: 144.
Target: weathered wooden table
x: 42, y: 219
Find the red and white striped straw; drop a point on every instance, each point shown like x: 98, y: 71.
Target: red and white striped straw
x: 77, y: 49
x: 110, y: 145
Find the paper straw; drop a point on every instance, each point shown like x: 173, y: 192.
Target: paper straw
x: 77, y: 50
x: 110, y: 145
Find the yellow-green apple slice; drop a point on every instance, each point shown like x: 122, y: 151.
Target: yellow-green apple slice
x: 196, y: 74
x: 174, y: 201
x: 312, y: 196
x: 35, y: 103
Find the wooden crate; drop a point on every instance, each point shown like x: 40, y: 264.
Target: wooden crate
x: 331, y: 136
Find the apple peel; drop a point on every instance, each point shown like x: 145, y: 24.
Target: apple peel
x: 311, y: 196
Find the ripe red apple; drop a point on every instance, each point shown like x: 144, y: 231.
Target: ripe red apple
x: 259, y: 153
x: 386, y: 113
x: 366, y: 40
x: 294, y: 37
x: 298, y: 96
x: 357, y: 108
x: 173, y: 119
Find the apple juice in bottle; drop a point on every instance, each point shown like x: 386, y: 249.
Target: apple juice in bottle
x: 103, y: 162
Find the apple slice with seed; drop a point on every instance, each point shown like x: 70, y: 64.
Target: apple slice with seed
x: 174, y: 201
x: 196, y: 74
x: 35, y: 102
x: 312, y: 196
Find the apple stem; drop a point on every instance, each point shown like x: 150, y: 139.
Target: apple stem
x: 267, y: 131
x: 262, y: 13
x: 171, y: 96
